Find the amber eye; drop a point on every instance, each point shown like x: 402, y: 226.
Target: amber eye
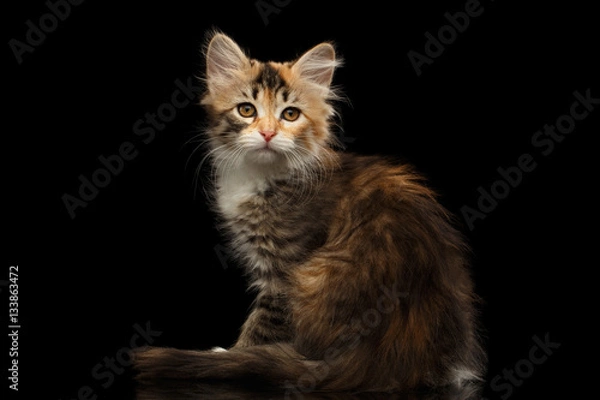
x: 246, y: 110
x: 290, y: 114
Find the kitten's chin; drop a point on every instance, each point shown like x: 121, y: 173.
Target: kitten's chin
x: 265, y: 156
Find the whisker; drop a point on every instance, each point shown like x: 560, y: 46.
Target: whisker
x: 309, y: 169
x: 308, y: 165
x: 217, y: 156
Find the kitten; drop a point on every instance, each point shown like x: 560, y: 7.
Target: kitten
x: 362, y: 283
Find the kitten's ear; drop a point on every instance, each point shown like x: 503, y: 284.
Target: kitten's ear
x: 224, y: 61
x: 317, y: 65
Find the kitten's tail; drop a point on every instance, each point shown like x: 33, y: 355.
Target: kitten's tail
x: 266, y: 367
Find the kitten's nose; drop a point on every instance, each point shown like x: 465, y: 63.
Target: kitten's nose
x: 268, y: 135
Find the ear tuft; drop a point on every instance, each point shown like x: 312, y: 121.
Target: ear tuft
x: 224, y: 61
x: 317, y: 65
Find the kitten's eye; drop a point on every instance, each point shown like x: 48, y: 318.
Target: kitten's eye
x: 246, y: 110
x: 290, y: 114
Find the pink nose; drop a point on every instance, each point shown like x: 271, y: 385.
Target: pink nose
x: 268, y: 135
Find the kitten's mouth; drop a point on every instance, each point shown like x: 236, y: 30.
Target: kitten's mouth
x: 268, y: 149
x: 264, y: 154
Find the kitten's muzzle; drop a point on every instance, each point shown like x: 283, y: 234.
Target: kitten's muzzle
x: 267, y: 135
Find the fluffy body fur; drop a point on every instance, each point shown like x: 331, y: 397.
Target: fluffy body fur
x: 362, y: 283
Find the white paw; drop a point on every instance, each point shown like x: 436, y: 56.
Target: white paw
x: 218, y: 350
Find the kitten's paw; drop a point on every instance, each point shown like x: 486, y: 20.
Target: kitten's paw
x: 218, y: 350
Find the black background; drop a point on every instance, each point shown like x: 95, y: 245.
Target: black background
x: 143, y: 250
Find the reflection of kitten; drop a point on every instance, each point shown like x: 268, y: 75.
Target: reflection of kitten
x: 175, y: 390
x: 361, y: 281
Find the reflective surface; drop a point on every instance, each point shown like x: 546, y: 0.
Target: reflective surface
x: 176, y: 391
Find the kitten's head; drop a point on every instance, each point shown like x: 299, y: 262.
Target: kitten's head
x: 269, y: 115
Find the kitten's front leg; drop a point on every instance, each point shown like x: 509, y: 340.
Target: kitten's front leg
x: 268, y: 322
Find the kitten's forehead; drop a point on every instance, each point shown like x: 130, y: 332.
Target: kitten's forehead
x: 271, y: 77
x: 268, y: 76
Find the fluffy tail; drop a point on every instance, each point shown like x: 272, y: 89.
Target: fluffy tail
x: 263, y: 368
x: 268, y: 367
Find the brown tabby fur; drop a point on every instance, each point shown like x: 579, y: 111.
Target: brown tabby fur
x: 362, y: 283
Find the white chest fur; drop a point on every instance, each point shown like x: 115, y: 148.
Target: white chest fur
x: 242, y: 203
x: 242, y: 183
x: 239, y: 186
